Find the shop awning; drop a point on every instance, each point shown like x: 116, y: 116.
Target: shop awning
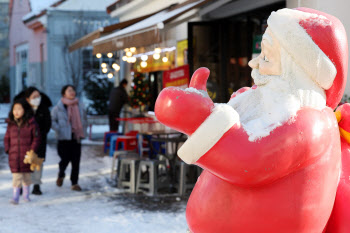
x: 144, y: 33
x: 87, y: 39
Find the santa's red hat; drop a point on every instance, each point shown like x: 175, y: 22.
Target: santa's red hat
x: 317, y: 41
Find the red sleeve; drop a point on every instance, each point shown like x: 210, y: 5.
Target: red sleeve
x: 288, y: 148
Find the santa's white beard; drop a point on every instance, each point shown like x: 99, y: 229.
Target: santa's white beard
x: 277, y: 99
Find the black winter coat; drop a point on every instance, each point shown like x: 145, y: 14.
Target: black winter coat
x: 117, y: 98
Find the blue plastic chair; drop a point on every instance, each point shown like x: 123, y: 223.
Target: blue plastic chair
x: 158, y: 147
x: 112, y: 144
x: 153, y: 149
x: 107, y: 139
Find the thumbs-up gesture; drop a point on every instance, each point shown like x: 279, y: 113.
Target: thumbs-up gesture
x: 185, y: 110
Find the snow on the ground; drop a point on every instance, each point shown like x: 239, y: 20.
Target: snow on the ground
x: 100, y: 128
x: 100, y: 207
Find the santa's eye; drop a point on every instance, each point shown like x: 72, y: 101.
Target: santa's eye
x: 265, y: 59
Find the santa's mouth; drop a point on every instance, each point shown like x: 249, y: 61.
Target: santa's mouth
x: 260, y: 80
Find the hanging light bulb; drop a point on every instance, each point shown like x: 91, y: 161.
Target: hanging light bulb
x: 129, y: 54
x: 156, y: 56
x: 129, y: 60
x: 157, y: 50
x: 133, y: 59
x: 116, y: 66
x: 126, y: 50
x: 104, y: 70
x: 144, y: 57
x: 98, y: 55
x: 165, y: 59
x: 110, y: 75
x: 133, y: 49
x: 109, y: 55
x: 124, y: 58
x: 143, y: 64
x: 103, y: 65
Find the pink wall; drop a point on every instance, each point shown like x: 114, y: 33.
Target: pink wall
x: 20, y: 34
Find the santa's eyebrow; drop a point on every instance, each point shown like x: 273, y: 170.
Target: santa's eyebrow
x: 267, y: 37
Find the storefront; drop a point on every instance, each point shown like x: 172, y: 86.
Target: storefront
x: 225, y: 46
x: 154, y: 46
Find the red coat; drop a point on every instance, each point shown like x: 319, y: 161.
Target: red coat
x: 19, y: 140
x: 285, y: 182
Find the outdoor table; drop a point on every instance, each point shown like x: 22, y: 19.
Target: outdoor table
x: 174, y: 141
x: 155, y: 134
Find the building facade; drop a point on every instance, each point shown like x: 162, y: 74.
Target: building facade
x: 222, y: 35
x: 39, y: 41
x: 4, y: 41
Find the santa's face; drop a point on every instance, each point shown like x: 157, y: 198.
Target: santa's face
x: 268, y: 63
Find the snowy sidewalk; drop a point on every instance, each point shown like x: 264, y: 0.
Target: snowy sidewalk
x: 98, y: 208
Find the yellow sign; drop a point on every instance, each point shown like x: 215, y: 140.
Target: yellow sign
x: 182, y: 49
x: 156, y: 65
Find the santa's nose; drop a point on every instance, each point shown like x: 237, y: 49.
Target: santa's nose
x: 254, y: 63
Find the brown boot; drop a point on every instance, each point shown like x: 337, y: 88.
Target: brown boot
x: 76, y: 187
x: 59, y: 181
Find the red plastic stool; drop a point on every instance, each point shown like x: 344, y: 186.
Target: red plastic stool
x: 128, y: 142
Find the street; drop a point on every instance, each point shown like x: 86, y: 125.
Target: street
x: 100, y: 207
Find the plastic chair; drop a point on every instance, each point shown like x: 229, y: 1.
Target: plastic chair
x: 112, y: 146
x: 107, y: 138
x: 151, y: 185
x: 157, y: 148
x: 116, y: 145
x: 153, y: 148
x: 132, y: 133
x: 127, y: 180
x: 117, y: 155
x: 126, y: 143
x: 143, y: 144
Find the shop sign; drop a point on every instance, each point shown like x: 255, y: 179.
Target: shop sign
x: 181, y: 49
x: 178, y: 77
x: 155, y: 65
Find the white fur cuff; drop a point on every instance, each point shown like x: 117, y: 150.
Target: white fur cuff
x: 208, y: 133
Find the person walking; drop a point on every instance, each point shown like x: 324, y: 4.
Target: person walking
x: 40, y: 104
x: 117, y: 98
x: 22, y: 135
x: 69, y: 122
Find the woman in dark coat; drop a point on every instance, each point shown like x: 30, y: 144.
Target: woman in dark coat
x: 40, y: 104
x: 22, y: 135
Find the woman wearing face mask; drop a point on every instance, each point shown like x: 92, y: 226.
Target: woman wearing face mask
x: 40, y: 104
x: 69, y: 122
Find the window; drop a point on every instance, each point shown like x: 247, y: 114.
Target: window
x: 21, y: 67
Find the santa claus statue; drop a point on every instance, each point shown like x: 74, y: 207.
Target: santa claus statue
x: 271, y: 155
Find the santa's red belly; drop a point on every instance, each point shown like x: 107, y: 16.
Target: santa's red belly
x: 340, y: 219
x: 301, y: 202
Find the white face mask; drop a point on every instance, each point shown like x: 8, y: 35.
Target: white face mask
x: 35, y: 102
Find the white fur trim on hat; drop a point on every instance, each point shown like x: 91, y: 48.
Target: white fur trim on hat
x: 285, y: 26
x: 208, y: 133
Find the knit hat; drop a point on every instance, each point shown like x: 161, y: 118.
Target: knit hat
x: 317, y: 42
